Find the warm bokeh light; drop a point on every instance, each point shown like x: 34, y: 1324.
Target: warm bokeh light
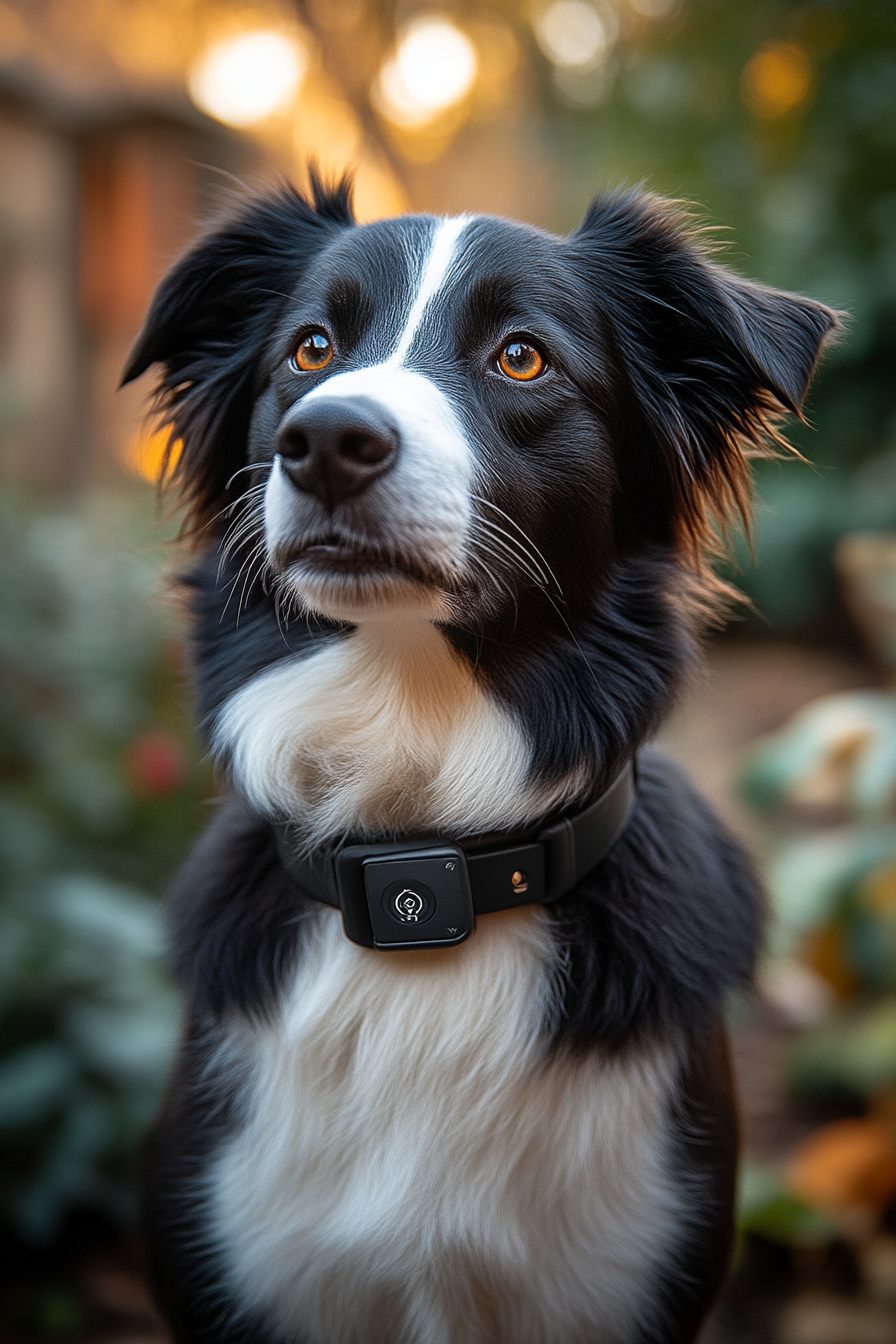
x: 377, y: 192
x: 433, y: 68
x: 776, y: 80
x: 572, y: 34
x: 13, y: 33
x: 145, y: 455
x: 655, y: 9
x: 244, y: 80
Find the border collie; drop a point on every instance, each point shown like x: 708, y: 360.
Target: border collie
x: 455, y: 950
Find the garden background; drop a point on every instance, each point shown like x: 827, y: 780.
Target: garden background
x: 124, y: 124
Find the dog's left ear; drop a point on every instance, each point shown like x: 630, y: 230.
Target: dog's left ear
x: 707, y: 361
x: 208, y: 325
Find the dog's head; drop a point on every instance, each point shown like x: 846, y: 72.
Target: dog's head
x: 429, y: 416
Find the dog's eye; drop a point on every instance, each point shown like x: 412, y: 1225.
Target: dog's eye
x: 313, y: 352
x: 521, y: 361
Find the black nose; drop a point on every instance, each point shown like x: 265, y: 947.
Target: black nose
x: 335, y: 447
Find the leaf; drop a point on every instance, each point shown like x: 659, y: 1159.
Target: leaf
x: 809, y: 877
x: 34, y: 1083
x: 766, y: 1208
x: 845, y: 1165
x: 855, y: 1053
x: 837, y: 751
x: 107, y: 915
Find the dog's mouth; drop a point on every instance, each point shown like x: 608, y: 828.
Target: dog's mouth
x: 345, y: 558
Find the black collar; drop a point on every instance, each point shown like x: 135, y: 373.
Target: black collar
x: 426, y: 892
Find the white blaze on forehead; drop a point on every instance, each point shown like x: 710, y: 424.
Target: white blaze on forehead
x: 423, y: 505
x: 438, y: 264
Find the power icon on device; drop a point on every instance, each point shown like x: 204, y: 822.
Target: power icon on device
x: 410, y: 902
x: 409, y: 906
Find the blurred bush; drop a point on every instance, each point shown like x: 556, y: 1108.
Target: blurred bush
x: 827, y: 785
x: 866, y: 563
x: 779, y: 119
x: 98, y: 801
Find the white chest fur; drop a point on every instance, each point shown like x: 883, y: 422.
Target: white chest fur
x: 386, y: 729
x: 412, y: 1169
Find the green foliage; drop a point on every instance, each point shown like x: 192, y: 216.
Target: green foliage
x: 96, y: 808
x: 837, y: 889
x: 838, y: 754
x: 823, y: 879
x: 854, y: 1053
x: 88, y: 1025
x: 766, y: 1208
x: 854, y: 734
x: 833, y: 890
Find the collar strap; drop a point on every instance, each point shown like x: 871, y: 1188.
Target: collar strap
x: 426, y: 893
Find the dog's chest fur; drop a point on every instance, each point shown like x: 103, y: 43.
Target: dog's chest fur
x: 384, y: 729
x: 413, y: 1166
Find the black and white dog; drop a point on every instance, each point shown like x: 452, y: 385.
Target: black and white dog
x: 451, y: 480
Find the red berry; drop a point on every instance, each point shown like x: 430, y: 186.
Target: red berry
x: 155, y: 764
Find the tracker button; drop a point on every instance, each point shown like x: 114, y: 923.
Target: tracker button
x: 409, y: 902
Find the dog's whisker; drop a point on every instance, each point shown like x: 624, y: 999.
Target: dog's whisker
x: 229, y: 552
x: 255, y: 563
x: 513, y: 543
x: 513, y: 556
x: 277, y: 293
x: 248, y: 526
x: 482, y: 499
x: 250, y: 466
x: 501, y: 561
x: 528, y: 546
x: 499, y: 583
x: 539, y: 579
x: 250, y: 519
x: 245, y: 522
x: 281, y: 616
x: 237, y: 535
x: 496, y: 578
x: 235, y: 503
x: 481, y: 529
x: 288, y: 602
x: 247, y: 561
x: 565, y: 623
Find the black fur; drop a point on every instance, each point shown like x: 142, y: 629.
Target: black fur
x: 200, y: 1110
x: 703, y: 1135
x: 210, y: 321
x: 665, y: 928
x: 664, y: 371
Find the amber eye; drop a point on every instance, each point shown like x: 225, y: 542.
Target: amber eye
x: 521, y: 361
x: 313, y: 352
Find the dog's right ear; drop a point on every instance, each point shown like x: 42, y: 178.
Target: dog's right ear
x: 708, y: 363
x: 207, y: 326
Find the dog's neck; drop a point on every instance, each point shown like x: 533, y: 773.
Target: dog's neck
x: 384, y: 731
x: 400, y: 726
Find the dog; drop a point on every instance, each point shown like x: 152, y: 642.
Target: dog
x: 456, y: 947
